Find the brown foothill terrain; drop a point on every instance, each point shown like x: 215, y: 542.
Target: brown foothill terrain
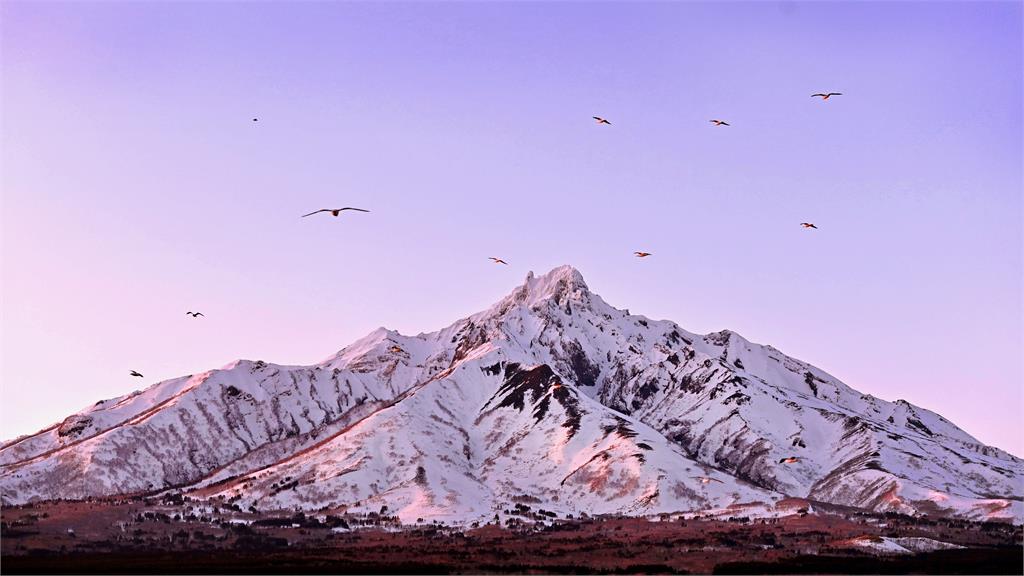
x: 141, y: 536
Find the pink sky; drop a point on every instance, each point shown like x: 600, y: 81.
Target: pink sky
x: 136, y: 186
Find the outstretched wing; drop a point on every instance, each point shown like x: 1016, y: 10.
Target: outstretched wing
x: 350, y: 208
x: 316, y: 212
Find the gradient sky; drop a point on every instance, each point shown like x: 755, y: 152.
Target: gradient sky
x: 136, y: 186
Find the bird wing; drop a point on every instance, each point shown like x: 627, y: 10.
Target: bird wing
x: 316, y: 212
x: 835, y: 93
x: 350, y: 208
x: 200, y: 314
x: 813, y: 95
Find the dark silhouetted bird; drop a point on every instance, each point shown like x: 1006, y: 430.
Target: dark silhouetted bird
x: 498, y: 260
x: 808, y: 225
x: 334, y: 211
x: 790, y: 460
x: 194, y: 314
x: 601, y: 120
x: 134, y: 373
x: 719, y: 122
x: 641, y: 254
x: 826, y: 96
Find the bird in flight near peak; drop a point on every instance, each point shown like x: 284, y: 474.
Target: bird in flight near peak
x: 719, y: 122
x: 334, y: 211
x: 134, y: 373
x: 601, y: 120
x: 641, y: 254
x: 808, y: 225
x: 194, y: 314
x: 826, y: 95
x: 498, y: 260
x: 790, y: 460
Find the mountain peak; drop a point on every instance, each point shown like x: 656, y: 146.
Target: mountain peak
x: 559, y: 283
x: 550, y: 393
x: 565, y: 273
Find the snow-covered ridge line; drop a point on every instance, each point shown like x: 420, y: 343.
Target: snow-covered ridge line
x: 551, y: 396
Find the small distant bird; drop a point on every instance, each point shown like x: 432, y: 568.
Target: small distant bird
x: 195, y: 314
x: 134, y: 373
x: 826, y: 96
x: 790, y: 460
x: 808, y: 225
x: 706, y: 480
x: 396, y: 350
x: 498, y: 260
x: 601, y: 120
x: 556, y: 385
x: 720, y: 123
x: 641, y: 254
x: 255, y: 119
x: 334, y: 211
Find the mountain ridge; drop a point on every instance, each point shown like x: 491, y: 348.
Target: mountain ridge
x: 718, y: 414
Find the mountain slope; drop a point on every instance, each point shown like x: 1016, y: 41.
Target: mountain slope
x: 552, y: 397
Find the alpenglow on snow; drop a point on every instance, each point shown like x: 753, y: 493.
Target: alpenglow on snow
x: 550, y: 396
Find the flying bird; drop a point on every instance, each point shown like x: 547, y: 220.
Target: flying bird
x: 706, y: 480
x: 134, y: 373
x: 641, y: 254
x: 601, y: 120
x: 255, y: 119
x: 334, y: 211
x: 498, y: 260
x: 826, y: 96
x: 195, y: 314
x: 397, y: 350
x: 790, y: 460
x: 719, y: 122
x: 808, y: 225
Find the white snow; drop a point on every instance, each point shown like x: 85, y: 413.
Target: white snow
x: 432, y: 427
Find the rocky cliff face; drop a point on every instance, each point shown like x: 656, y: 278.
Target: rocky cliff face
x: 551, y: 398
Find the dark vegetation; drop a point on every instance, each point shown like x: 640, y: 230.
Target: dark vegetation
x: 178, y: 535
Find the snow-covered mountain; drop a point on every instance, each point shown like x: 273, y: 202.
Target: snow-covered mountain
x: 550, y: 398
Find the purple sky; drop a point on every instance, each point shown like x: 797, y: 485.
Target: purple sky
x: 136, y: 186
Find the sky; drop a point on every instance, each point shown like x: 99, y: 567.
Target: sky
x: 136, y: 186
